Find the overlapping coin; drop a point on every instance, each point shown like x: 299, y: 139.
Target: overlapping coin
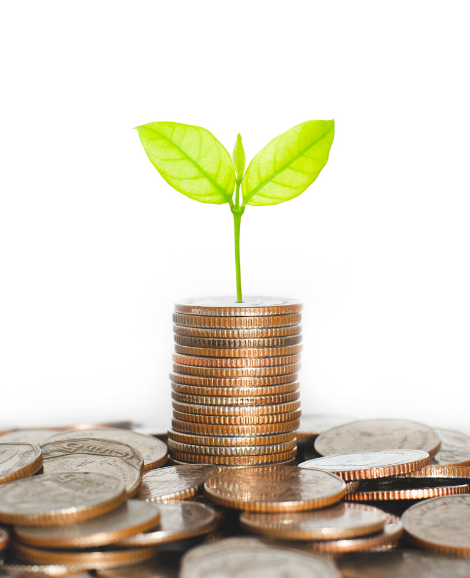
x: 19, y: 460
x: 174, y: 483
x: 409, y: 488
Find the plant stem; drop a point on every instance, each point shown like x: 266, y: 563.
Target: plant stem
x: 237, y: 212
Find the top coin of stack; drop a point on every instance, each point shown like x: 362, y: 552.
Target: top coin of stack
x: 235, y: 381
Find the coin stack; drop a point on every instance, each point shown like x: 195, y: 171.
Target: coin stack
x: 235, y: 383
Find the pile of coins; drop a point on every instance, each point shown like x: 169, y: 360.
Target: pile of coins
x: 234, y: 383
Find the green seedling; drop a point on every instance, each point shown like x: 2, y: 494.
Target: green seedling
x: 195, y: 163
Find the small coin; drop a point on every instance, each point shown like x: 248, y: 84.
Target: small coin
x: 236, y: 322
x: 229, y: 307
x: 442, y: 525
x: 249, y: 557
x: 4, y: 539
x: 253, y: 353
x: 207, y: 400
x: 378, y: 434
x: 244, y: 460
x: 265, y: 343
x: 179, y: 521
x: 230, y: 395
x: 405, y: 489
x: 334, y: 523
x: 200, y: 371
x: 440, y: 472
x: 59, y: 498
x: 235, y: 430
x: 235, y: 362
x: 153, y: 450
x: 238, y: 333
x: 275, y: 489
x: 129, y: 519
x: 236, y: 419
x: 312, y: 426
x: 364, y: 465
x: 455, y: 449
x: 19, y: 460
x: 226, y: 384
x: 234, y: 442
x: 232, y: 450
x: 27, y: 436
x: 95, y: 455
x: 235, y: 410
x: 175, y: 483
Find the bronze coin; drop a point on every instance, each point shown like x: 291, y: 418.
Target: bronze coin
x: 242, y: 450
x: 227, y: 384
x: 406, y: 489
x: 238, y: 333
x: 237, y: 419
x: 234, y: 410
x: 235, y: 430
x: 229, y: 307
x: 236, y: 460
x: 236, y: 322
x: 251, y: 372
x: 235, y: 362
x: 454, y: 451
x: 440, y: 472
x: 19, y: 460
x: 234, y: 393
x: 236, y: 442
x: 207, y: 400
x: 252, y: 353
x: 265, y: 343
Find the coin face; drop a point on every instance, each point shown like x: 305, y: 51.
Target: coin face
x: 275, y: 489
x: 19, y: 460
x: 230, y: 307
x: 28, y: 436
x: 249, y: 372
x: 236, y: 442
x: 235, y: 430
x: 378, y: 434
x: 129, y: 519
x: 249, y: 557
x: 59, y: 498
x: 406, y: 489
x: 238, y: 332
x: 154, y: 451
x: 455, y: 449
x: 312, y: 426
x: 95, y: 455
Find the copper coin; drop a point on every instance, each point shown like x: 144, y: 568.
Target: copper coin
x: 19, y: 460
x: 235, y: 430
x: 312, y: 426
x: 4, y: 539
x: 378, y: 434
x: 237, y: 442
x: 59, y: 498
x: 253, y: 353
x: 455, y: 449
x: 179, y: 521
x: 275, y: 489
x: 205, y: 400
x: 229, y: 307
x: 334, y: 523
x: 235, y: 410
x: 228, y: 467
x: 227, y: 384
x: 236, y: 371
x: 442, y: 525
x: 236, y: 322
x: 364, y: 465
x: 233, y: 393
x: 164, y: 565
x: 238, y: 343
x: 154, y: 451
x: 95, y: 455
x: 237, y: 419
x: 234, y: 460
x: 440, y: 472
x: 231, y: 450
x: 27, y: 436
x: 405, y: 489
x: 235, y: 362
x: 129, y: 519
x: 238, y: 333
x: 175, y: 482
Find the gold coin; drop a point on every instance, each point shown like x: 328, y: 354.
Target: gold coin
x: 236, y: 371
x: 234, y: 430
x: 234, y: 410
x: 454, y: 450
x: 231, y: 450
x: 62, y: 498
x: 254, y: 353
x: 228, y: 307
x: 19, y: 460
x: 265, y: 343
x: 4, y: 539
x: 234, y: 393
x: 240, y: 333
x: 237, y: 419
x: 233, y: 460
x: 129, y: 519
x: 440, y: 472
x: 226, y: 384
x: 405, y: 489
x: 237, y: 401
x: 201, y: 440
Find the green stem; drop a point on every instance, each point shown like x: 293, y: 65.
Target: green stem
x: 237, y: 212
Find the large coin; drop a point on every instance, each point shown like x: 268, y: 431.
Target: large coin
x: 229, y: 307
x: 455, y: 449
x: 59, y: 498
x: 224, y: 450
x: 234, y: 460
x: 179, y: 521
x: 226, y: 383
x: 364, y: 465
x: 239, y: 353
x: 249, y: 557
x: 233, y: 410
x: 235, y: 430
x: 154, y: 451
x: 237, y: 419
x: 378, y: 434
x: 238, y: 333
x: 311, y: 426
x: 250, y: 372
x: 406, y: 489
x: 27, y: 436
x: 129, y: 519
x: 231, y: 394
x: 442, y: 525
x: 275, y: 489
x: 95, y: 455
x: 19, y: 460
x: 175, y: 482
x: 238, y: 343
x: 226, y: 441
x: 236, y: 322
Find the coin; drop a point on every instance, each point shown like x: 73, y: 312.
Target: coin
x: 59, y: 498
x: 230, y: 395
x: 235, y: 430
x: 154, y: 451
x: 238, y: 333
x: 4, y: 539
x: 275, y: 489
x: 455, y: 449
x: 18, y: 569
x: 312, y: 426
x: 164, y: 565
x: 405, y: 489
x: 256, y: 352
x: 179, y: 521
x: 238, y: 442
x: 237, y: 419
x: 229, y: 307
x: 442, y: 525
x: 225, y: 384
x: 19, y: 460
x: 243, y: 450
x: 235, y: 410
x: 95, y: 455
x: 228, y: 467
x: 364, y: 465
x: 27, y: 436
x: 440, y: 472
x: 236, y: 322
x: 378, y: 434
x: 265, y: 343
x: 249, y: 557
x: 235, y: 362
x: 234, y: 460
x: 236, y: 371
x: 334, y: 523
x: 174, y: 482
x: 129, y: 519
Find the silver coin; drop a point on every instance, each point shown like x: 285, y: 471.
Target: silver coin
x: 455, y: 449
x: 29, y: 436
x: 229, y: 307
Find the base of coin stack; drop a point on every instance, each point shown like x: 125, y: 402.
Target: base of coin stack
x: 235, y: 390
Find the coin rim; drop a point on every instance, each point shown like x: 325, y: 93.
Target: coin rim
x: 26, y: 470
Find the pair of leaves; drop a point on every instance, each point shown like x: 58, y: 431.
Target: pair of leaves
x: 196, y: 164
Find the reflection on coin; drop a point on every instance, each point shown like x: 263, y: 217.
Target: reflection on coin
x: 406, y: 489
x: 234, y: 410
x: 363, y: 465
x: 227, y: 383
x: 251, y: 353
x: 179, y: 521
x: 154, y: 451
x: 236, y: 322
x: 312, y: 426
x: 249, y: 557
x: 230, y: 307
x: 243, y: 450
x: 175, y: 482
x: 235, y: 362
x: 275, y: 489
x: 441, y: 472
x: 238, y: 333
x: 95, y: 455
x: 235, y: 430
x: 378, y: 434
x: 211, y: 400
x: 201, y: 371
x: 234, y: 460
x: 28, y: 436
x: 455, y: 449
x: 4, y: 539
x: 232, y: 394
x: 238, y: 343
x: 442, y: 524
x: 19, y: 460
x: 333, y: 523
x: 237, y: 419
x: 59, y: 498
x: 163, y: 565
x: 232, y: 441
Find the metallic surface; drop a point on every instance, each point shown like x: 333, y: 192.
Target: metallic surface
x: 265, y: 343
x: 250, y: 372
x: 235, y: 410
x: 234, y: 392
x: 235, y: 430
x: 226, y: 383
x: 230, y: 441
x: 455, y: 449
x: 237, y: 333
x: 239, y: 352
x: 235, y: 460
x: 237, y: 419
x: 228, y: 307
x: 237, y: 322
x: 242, y: 450
x: 227, y: 362
x: 19, y: 460
x: 406, y: 489
x: 235, y: 400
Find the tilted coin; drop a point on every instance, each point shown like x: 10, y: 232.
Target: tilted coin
x: 406, y: 489
x: 364, y: 465
x: 231, y: 441
x: 19, y: 460
x: 201, y: 371
x: 455, y: 449
x: 129, y: 519
x: 249, y: 557
x: 243, y: 450
x: 154, y: 451
x: 255, y: 352
x: 237, y: 419
x: 238, y: 343
x: 234, y: 460
x: 175, y: 482
x: 230, y: 395
x: 62, y: 498
x: 236, y: 362
x: 27, y: 436
x: 442, y: 525
x: 312, y: 426
x: 441, y: 472
x: 226, y: 384
x: 234, y: 430
x: 179, y: 521
x: 378, y: 434
x: 234, y: 410
x: 236, y: 322
x: 238, y: 333
x: 4, y: 539
x: 229, y: 307
x: 207, y: 400
x: 334, y: 523
x: 275, y: 489
x: 95, y: 455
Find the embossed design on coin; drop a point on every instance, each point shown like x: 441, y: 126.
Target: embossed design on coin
x: 229, y: 307
x: 378, y: 434
x: 27, y: 436
x: 19, y: 460
x: 455, y: 449
x: 408, y: 488
x: 59, y: 498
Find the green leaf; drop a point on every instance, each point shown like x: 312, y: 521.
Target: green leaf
x: 288, y: 164
x: 190, y: 159
x: 239, y: 157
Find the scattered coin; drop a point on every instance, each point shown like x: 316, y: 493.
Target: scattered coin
x: 455, y: 449
x: 19, y: 460
x: 205, y: 400
x: 27, y: 436
x: 235, y: 430
x: 4, y: 539
x: 234, y: 460
x: 59, y: 498
x: 238, y: 333
x: 227, y: 383
x: 238, y: 343
x: 236, y: 322
x: 237, y: 419
x: 249, y: 353
x: 228, y: 307
x: 232, y: 441
x: 247, y: 372
x: 243, y: 450
x: 270, y: 391
x: 405, y: 489
x: 312, y: 426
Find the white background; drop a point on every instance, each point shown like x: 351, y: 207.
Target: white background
x: 95, y: 246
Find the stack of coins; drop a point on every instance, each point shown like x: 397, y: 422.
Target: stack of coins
x: 235, y: 383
